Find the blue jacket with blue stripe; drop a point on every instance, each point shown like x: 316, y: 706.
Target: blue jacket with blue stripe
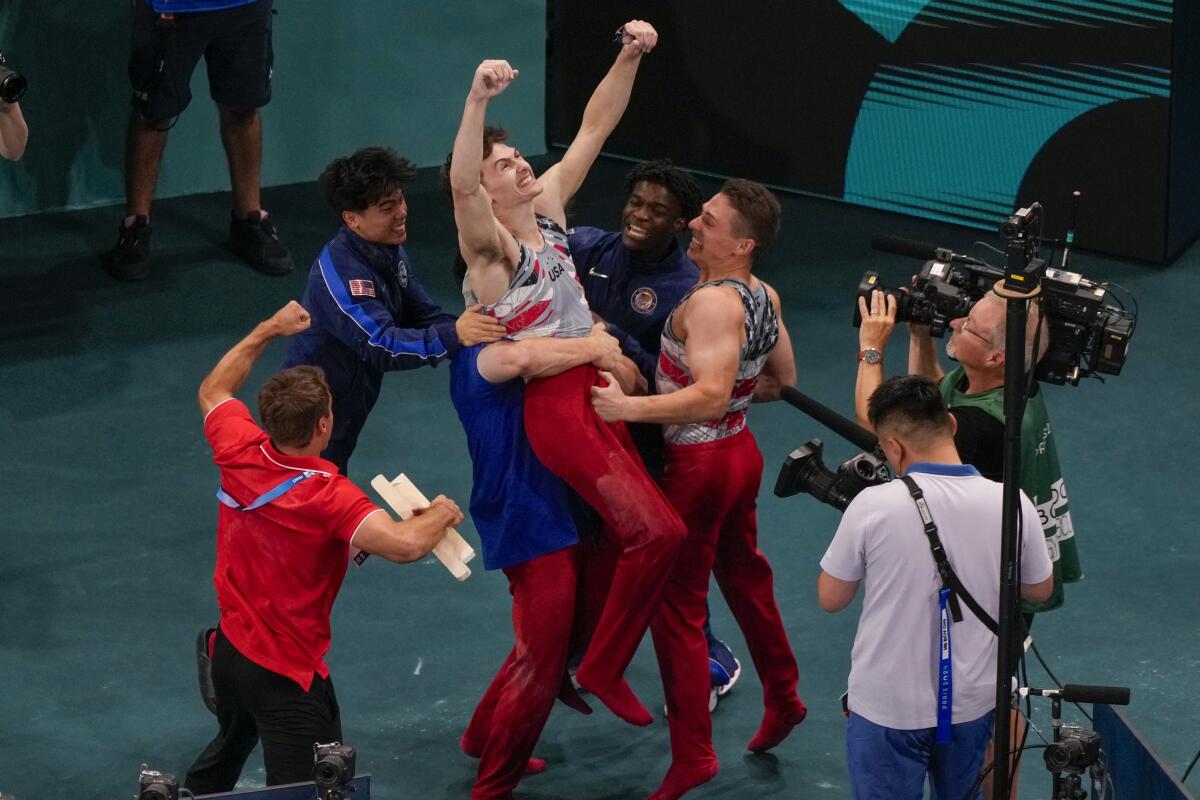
x: 369, y: 316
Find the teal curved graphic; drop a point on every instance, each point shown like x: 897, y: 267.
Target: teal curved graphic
x: 954, y: 142
x: 890, y: 18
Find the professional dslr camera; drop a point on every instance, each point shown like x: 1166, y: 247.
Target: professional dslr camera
x: 1089, y: 326
x: 12, y: 83
x: 333, y: 768
x: 155, y: 785
x: 1076, y: 749
x: 803, y: 471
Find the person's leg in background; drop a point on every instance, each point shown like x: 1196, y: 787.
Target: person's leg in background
x: 240, y: 62
x: 885, y: 763
x: 954, y: 767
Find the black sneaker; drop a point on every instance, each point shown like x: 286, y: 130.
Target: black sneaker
x: 255, y: 240
x: 130, y: 259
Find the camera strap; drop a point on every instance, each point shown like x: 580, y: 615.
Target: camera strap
x: 948, y: 607
x: 265, y: 498
x: 949, y: 577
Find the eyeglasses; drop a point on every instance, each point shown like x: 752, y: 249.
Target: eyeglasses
x: 965, y: 328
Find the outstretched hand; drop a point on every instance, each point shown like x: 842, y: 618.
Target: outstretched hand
x: 638, y: 36
x: 491, y: 78
x: 291, y: 319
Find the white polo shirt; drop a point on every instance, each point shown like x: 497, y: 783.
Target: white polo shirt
x: 881, y: 542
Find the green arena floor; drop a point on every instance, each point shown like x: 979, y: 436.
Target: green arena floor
x: 109, y: 508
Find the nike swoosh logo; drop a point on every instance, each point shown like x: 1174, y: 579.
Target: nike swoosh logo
x: 592, y: 271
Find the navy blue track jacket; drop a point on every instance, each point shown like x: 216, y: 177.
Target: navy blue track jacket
x: 369, y: 316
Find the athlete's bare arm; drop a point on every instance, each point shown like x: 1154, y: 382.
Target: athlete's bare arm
x: 603, y: 112
x: 712, y: 326
x: 14, y: 133
x: 780, y: 367
x: 543, y: 356
x: 490, y: 251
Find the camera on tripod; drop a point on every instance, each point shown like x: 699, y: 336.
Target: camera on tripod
x: 1089, y: 326
x: 1076, y: 749
x: 12, y: 83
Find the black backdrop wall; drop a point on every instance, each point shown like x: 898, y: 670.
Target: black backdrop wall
x: 958, y: 110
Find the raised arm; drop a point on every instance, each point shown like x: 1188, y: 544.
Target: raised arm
x: 14, y: 133
x: 546, y: 355
x: 604, y: 110
x: 878, y: 322
x: 490, y: 251
x: 922, y: 354
x: 780, y: 369
x: 714, y: 331
x: 230, y: 372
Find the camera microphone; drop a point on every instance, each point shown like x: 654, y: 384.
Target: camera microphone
x: 857, y: 436
x: 898, y: 245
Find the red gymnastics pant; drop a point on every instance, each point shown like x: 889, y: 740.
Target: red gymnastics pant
x: 510, y: 717
x: 714, y: 485
x: 600, y: 463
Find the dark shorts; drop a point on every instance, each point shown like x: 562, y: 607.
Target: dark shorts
x: 236, y: 46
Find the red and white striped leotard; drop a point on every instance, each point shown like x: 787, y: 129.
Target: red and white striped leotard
x: 545, y: 296
x: 672, y: 374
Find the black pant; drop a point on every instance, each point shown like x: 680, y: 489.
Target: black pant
x: 254, y: 703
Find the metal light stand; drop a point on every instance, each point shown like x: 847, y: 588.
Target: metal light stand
x: 1020, y: 285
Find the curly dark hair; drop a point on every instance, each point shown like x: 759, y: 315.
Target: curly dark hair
x: 353, y: 183
x: 680, y: 184
x: 492, y: 134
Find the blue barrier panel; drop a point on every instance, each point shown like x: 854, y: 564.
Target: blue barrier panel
x: 360, y: 790
x: 1137, y: 772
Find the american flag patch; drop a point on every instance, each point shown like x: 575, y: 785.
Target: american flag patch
x: 360, y: 288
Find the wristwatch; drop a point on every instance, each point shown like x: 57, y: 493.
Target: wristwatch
x: 870, y: 356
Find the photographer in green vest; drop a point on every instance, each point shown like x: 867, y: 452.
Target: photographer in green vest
x: 974, y: 392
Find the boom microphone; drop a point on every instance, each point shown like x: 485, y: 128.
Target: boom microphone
x: 1080, y: 693
x: 925, y: 251
x: 857, y: 436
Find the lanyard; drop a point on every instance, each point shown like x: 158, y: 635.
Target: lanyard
x: 262, y: 500
x: 945, y: 693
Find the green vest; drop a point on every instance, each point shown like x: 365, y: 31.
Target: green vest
x: 1041, y: 477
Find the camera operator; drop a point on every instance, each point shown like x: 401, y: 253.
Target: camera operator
x: 14, y: 133
x: 974, y: 391
x: 906, y: 720
x: 286, y: 524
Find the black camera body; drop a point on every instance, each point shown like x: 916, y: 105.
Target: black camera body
x: 1076, y: 749
x: 1089, y: 330
x: 803, y: 471
x: 333, y: 765
x: 155, y: 785
x: 941, y: 291
x: 12, y: 83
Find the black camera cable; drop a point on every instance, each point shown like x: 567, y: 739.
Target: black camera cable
x: 1188, y: 771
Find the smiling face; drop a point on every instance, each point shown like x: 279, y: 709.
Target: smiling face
x: 650, y: 219
x: 383, y: 222
x: 508, y: 178
x: 716, y: 233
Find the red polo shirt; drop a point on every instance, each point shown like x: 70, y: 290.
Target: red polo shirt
x: 279, y: 567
